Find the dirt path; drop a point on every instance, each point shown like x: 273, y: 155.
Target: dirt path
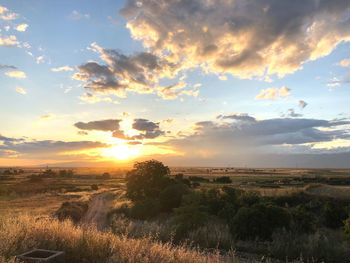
x: 98, y: 209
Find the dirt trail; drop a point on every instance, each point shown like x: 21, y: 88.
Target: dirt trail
x: 98, y: 209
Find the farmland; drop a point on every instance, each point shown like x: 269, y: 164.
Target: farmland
x: 98, y: 197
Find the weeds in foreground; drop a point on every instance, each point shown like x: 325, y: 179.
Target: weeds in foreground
x: 23, y: 233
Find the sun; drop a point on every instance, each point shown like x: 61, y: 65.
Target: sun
x: 121, y: 152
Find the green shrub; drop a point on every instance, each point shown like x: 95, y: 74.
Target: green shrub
x: 145, y: 209
x: 190, y: 215
x: 258, y: 222
x: 198, y: 179
x: 171, y: 197
x: 322, y: 246
x: 346, y: 226
x: 249, y: 199
x: 303, y: 221
x: 223, y: 180
x: 334, y: 215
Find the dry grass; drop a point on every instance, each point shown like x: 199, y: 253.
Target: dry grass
x: 339, y: 192
x: 19, y: 234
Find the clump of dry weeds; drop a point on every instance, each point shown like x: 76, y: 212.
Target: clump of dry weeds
x: 21, y: 233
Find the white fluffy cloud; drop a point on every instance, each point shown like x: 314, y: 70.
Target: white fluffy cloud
x: 21, y: 27
x: 76, y: 15
x: 344, y: 63
x: 63, y: 68
x: 18, y: 74
x: 140, y: 72
x: 8, y: 40
x: 273, y: 93
x: 244, y: 38
x: 21, y: 90
x: 6, y: 14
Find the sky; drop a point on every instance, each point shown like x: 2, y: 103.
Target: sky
x: 259, y: 83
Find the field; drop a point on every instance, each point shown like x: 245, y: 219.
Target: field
x: 31, y: 194
x: 20, y: 193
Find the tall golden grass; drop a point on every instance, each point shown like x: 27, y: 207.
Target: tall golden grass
x: 21, y: 233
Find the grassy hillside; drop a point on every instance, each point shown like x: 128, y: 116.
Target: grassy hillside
x: 22, y: 233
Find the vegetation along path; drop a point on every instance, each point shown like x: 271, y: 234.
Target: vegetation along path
x: 98, y: 209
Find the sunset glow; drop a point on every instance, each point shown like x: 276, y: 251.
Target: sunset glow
x: 88, y: 83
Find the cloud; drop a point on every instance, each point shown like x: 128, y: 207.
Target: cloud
x: 40, y: 59
x: 149, y: 129
x: 6, y: 67
x: 8, y: 41
x: 238, y: 117
x: 63, y: 68
x: 22, y: 27
x: 302, y: 104
x: 21, y: 90
x: 140, y: 72
x: 76, y: 15
x: 91, y: 98
x: 291, y: 113
x: 240, y: 137
x: 344, y: 63
x: 18, y: 74
x: 33, y: 148
x: 242, y: 38
x: 48, y: 116
x: 6, y: 14
x: 273, y: 93
x: 103, y: 125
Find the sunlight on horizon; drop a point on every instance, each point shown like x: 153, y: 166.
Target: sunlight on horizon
x: 121, y: 152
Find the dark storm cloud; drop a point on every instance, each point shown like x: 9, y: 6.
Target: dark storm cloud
x: 102, y: 125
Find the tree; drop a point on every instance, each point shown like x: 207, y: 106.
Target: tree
x: 147, y: 179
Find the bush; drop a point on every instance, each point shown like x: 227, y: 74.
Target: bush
x: 145, y: 209
x: 94, y: 187
x: 333, y: 215
x: 72, y: 210
x: 303, y: 221
x: 258, y: 222
x: 223, y: 180
x: 171, y: 197
x: 322, y: 246
x: 105, y: 176
x: 213, y: 200
x: 198, y: 179
x: 249, y: 199
x: 346, y: 226
x: 190, y: 215
x: 66, y: 173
